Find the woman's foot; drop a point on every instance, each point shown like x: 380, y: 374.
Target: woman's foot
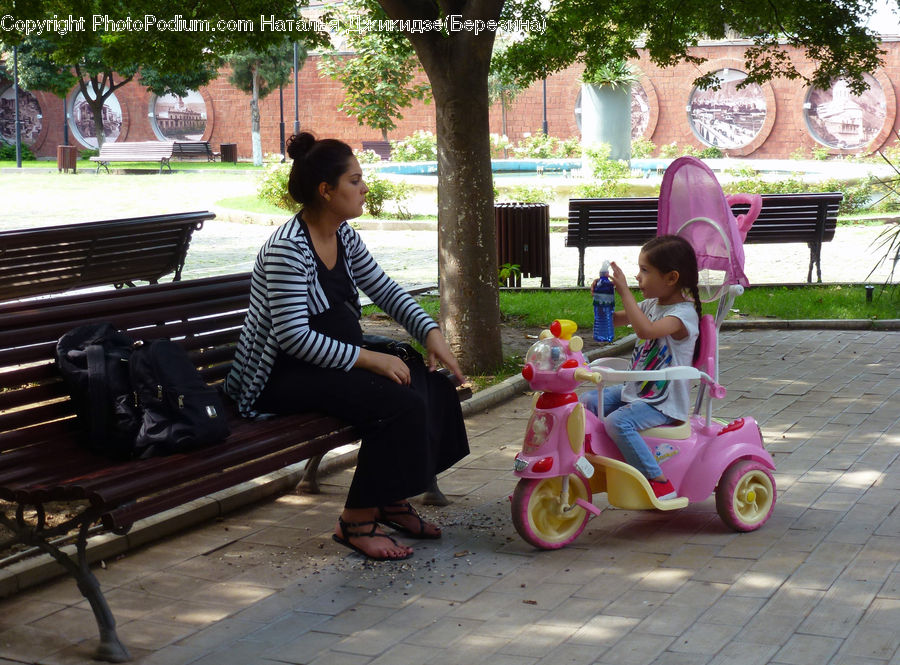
x: 404, y: 518
x: 358, y: 531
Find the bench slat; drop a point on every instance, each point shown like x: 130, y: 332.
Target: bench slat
x: 804, y: 217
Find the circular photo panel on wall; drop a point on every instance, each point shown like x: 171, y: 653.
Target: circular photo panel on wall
x: 640, y: 111
x: 728, y: 116
x: 178, y: 118
x: 81, y: 120
x: 841, y: 119
x: 29, y: 115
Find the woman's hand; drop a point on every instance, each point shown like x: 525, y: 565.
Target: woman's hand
x: 439, y: 352
x: 385, y: 364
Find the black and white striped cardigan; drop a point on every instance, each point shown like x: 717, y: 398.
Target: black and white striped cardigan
x: 285, y: 292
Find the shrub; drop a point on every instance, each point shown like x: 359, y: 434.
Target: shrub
x: 87, y: 153
x: 602, y: 190
x: 367, y: 156
x: 642, y: 148
x: 669, y: 150
x: 272, y: 187
x: 420, y: 147
x: 711, y: 152
x: 541, y: 146
x: 8, y: 152
x: 499, y: 144
x: 381, y: 191
x: 526, y: 194
x: 603, y: 167
x: 821, y: 152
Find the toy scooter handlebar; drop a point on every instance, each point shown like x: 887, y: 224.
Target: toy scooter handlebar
x: 582, y: 374
x: 668, y: 374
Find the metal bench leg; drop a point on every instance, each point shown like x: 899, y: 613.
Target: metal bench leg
x: 309, y: 483
x: 434, y: 496
x: 110, y: 648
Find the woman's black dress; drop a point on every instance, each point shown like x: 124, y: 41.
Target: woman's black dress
x: 409, y: 433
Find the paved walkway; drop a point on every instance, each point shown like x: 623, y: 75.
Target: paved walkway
x: 819, y: 584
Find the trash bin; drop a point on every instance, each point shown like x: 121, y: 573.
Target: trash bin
x: 67, y: 158
x: 229, y: 152
x: 523, y: 239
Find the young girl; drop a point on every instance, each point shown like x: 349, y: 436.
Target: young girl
x: 666, y: 323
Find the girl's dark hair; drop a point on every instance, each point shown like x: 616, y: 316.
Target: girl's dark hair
x: 671, y: 252
x: 315, y: 162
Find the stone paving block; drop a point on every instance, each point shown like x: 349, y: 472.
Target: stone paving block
x: 743, y: 653
x: 669, y: 619
x: 375, y: 640
x: 299, y: 651
x: 637, y: 648
x: 769, y: 628
x: 872, y: 642
x: 816, y: 576
x: 537, y: 640
x: 807, y: 650
x: 404, y: 654
x: 603, y: 630
x: 156, y: 633
x: 572, y: 654
x: 704, y: 638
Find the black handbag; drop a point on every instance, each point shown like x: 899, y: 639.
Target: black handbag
x: 381, y: 344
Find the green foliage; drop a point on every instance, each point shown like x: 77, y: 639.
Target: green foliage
x: 499, y: 145
x: 642, y: 148
x: 367, y: 156
x: 381, y: 191
x: 670, y: 150
x: 379, y: 80
x: 603, y: 167
x: 541, y: 146
x: 857, y: 195
x: 87, y: 153
x: 508, y: 273
x: 711, y: 152
x: 614, y: 74
x: 8, y: 152
x: 608, y: 189
x: 270, y: 66
x: 272, y: 187
x: 420, y: 147
x: 526, y: 194
x: 800, y: 153
x: 821, y: 152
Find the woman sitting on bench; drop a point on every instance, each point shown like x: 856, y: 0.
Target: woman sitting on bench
x: 301, y: 350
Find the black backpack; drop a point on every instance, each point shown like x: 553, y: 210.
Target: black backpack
x: 137, y: 399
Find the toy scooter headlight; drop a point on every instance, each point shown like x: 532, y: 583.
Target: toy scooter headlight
x: 546, y: 355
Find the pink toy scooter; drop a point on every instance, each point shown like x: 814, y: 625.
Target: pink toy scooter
x: 567, y: 457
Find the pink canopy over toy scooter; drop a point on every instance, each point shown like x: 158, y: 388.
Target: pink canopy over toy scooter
x: 690, y: 192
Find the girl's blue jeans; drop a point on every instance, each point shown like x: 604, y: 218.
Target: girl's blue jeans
x: 624, y: 421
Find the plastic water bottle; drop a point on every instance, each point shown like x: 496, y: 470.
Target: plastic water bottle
x: 604, y: 294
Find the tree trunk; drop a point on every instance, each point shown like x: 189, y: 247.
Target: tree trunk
x: 457, y: 67
x: 254, y: 119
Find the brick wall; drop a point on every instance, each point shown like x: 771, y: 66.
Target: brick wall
x: 669, y: 89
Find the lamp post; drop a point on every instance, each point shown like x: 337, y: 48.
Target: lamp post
x: 16, y: 105
x: 296, y: 90
x: 544, y: 126
x: 281, y: 116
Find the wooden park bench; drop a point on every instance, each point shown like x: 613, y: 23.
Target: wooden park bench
x: 41, y: 460
x: 807, y: 217
x: 53, y: 259
x: 188, y: 149
x: 135, y: 151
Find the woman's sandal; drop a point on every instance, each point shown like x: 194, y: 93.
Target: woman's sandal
x: 371, y: 532
x: 384, y: 514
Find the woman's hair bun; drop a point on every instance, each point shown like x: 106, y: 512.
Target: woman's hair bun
x: 300, y: 144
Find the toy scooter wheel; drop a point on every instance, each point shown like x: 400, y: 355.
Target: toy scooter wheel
x: 541, y: 520
x: 745, y: 496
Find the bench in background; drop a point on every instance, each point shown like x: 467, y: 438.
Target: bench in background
x: 784, y: 218
x: 54, y: 259
x: 41, y: 460
x: 135, y: 151
x: 188, y: 149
